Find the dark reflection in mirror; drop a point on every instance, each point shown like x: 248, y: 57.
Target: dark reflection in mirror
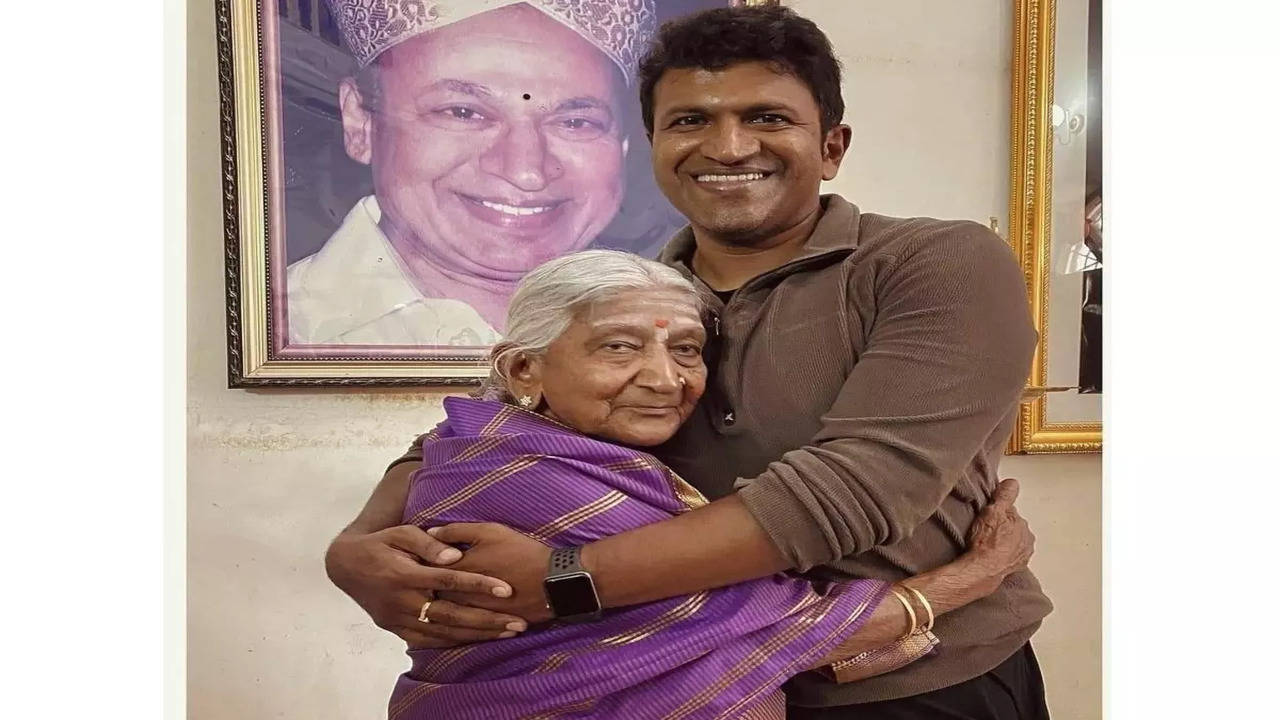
x: 1091, y: 305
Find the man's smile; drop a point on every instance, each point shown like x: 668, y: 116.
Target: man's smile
x: 740, y: 177
x: 507, y: 213
x: 721, y: 180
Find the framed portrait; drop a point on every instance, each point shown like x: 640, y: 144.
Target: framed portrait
x: 1056, y: 210
x: 392, y: 168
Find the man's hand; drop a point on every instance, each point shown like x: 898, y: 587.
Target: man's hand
x: 498, y: 550
x: 384, y: 573
x: 1000, y: 540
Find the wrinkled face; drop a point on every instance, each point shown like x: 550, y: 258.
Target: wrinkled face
x: 496, y: 143
x: 616, y: 372
x: 740, y: 151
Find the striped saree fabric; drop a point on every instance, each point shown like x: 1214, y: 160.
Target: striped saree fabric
x: 717, y: 654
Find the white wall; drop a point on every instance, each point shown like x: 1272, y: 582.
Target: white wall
x: 273, y: 474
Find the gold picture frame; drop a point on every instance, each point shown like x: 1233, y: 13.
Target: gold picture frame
x: 1030, y: 221
x: 250, y: 65
x: 247, y: 142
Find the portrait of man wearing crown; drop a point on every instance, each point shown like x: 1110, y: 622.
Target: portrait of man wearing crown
x: 497, y: 134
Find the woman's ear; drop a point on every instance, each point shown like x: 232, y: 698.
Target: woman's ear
x: 524, y: 378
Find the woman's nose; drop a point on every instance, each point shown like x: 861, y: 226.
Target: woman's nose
x: 660, y: 372
x: 521, y: 157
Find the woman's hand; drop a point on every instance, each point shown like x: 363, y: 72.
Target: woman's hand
x: 384, y: 573
x: 1000, y: 540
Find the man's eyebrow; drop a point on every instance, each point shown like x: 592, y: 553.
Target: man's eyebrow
x: 584, y: 102
x: 691, y: 109
x: 749, y: 110
x: 461, y: 86
x: 760, y: 108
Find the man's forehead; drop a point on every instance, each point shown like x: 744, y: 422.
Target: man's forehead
x: 407, y: 71
x: 618, y: 29
x: 487, y: 39
x: 749, y: 81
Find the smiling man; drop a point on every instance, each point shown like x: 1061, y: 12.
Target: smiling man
x: 493, y: 133
x: 865, y: 373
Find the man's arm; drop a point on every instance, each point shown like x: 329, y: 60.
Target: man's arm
x: 1000, y: 542
x: 378, y: 563
x: 385, y: 505
x: 946, y: 360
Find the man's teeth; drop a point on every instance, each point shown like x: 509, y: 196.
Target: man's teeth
x: 513, y: 210
x: 745, y: 177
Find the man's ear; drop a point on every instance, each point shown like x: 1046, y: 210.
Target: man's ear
x: 357, y: 122
x: 834, y: 147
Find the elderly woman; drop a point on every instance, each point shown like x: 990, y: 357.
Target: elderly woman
x: 603, y: 357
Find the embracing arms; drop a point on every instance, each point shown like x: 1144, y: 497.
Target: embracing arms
x: 946, y: 359
x: 379, y: 563
x: 380, y: 570
x: 1000, y: 542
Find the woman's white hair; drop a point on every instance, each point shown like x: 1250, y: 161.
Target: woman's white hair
x: 548, y: 298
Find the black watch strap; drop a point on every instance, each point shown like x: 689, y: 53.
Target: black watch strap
x: 565, y: 560
x: 571, y: 592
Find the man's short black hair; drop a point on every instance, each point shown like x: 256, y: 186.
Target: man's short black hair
x: 717, y: 38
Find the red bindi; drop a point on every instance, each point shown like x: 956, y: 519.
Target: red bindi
x: 660, y: 323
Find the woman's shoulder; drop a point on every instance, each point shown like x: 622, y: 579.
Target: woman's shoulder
x: 524, y: 432
x: 486, y: 417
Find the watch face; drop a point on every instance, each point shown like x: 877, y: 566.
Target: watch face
x: 570, y: 595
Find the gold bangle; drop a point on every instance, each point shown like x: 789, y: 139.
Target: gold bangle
x: 927, y: 607
x: 911, y: 612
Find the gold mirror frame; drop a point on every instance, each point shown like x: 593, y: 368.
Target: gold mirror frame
x: 1030, y: 220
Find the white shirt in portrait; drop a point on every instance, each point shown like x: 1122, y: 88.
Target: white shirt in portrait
x: 355, y: 291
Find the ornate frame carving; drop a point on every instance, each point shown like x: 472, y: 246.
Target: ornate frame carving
x: 245, y: 135
x: 1030, y: 216
x: 244, y: 132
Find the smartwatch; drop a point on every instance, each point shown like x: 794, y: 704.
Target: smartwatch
x: 571, y: 594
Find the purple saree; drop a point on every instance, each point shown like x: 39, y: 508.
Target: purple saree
x: 718, y: 654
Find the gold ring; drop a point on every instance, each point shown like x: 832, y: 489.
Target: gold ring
x: 422, y: 616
